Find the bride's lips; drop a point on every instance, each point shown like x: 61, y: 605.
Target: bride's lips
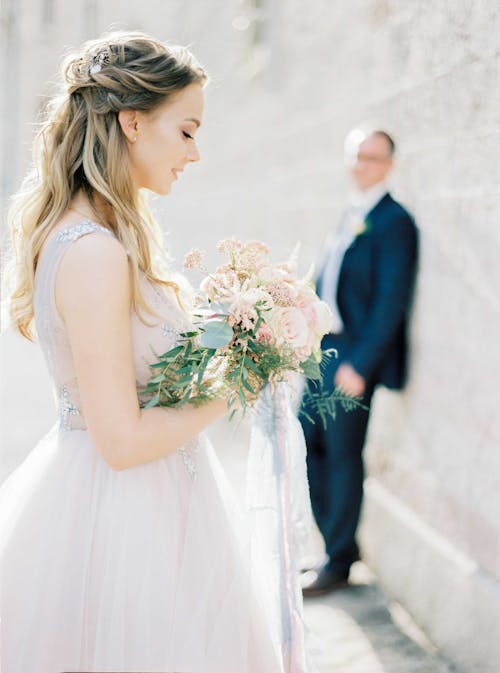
x: 175, y: 171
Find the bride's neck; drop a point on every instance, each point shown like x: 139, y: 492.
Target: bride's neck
x: 96, y: 209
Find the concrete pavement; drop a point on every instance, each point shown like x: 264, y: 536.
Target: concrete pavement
x: 360, y: 630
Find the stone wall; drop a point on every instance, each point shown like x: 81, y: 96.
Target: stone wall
x: 285, y: 91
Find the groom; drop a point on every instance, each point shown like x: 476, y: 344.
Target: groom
x: 367, y: 278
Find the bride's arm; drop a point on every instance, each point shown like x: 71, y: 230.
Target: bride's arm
x: 93, y: 295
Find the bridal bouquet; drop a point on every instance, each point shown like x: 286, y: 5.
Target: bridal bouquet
x: 255, y: 322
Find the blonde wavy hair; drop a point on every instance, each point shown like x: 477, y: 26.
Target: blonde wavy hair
x: 80, y: 146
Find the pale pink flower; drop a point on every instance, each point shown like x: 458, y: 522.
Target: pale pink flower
x: 229, y: 245
x: 250, y: 256
x: 256, y: 246
x: 283, y: 294
x: 249, y: 298
x: 290, y: 266
x: 242, y: 309
x: 289, y: 325
x: 271, y: 274
x: 193, y: 259
x: 224, y: 268
x: 221, y: 285
x: 264, y: 334
x: 310, y: 314
x: 247, y: 322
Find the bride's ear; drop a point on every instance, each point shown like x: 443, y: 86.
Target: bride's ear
x: 128, y: 120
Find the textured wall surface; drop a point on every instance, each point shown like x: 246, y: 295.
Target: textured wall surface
x: 285, y: 91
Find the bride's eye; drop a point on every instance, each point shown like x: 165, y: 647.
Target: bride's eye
x: 186, y: 135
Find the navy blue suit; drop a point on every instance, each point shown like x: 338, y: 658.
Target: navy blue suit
x: 374, y: 295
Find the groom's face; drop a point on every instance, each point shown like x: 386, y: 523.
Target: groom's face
x: 371, y: 163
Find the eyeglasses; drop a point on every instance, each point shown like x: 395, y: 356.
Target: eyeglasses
x: 371, y: 158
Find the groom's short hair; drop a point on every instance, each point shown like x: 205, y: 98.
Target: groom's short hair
x: 360, y: 133
x: 390, y: 140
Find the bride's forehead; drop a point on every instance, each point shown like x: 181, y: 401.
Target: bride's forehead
x: 188, y: 102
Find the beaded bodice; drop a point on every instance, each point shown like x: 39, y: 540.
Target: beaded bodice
x: 147, y: 340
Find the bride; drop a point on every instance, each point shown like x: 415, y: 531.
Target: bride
x: 122, y: 545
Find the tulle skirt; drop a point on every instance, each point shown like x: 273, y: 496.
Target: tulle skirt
x: 147, y: 569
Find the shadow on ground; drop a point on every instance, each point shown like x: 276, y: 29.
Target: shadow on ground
x: 359, y: 630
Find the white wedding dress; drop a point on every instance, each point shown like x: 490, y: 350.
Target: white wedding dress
x: 147, y: 569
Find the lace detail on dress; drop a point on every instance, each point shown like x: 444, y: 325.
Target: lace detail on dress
x: 76, y: 230
x: 170, y: 331
x: 160, y: 298
x: 188, y: 453
x: 66, y: 409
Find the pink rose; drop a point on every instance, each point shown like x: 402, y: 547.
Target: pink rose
x: 288, y: 324
x: 309, y: 314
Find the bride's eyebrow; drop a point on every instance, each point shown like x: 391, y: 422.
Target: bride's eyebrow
x: 193, y: 119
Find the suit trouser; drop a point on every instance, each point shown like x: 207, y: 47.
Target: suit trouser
x: 336, y: 471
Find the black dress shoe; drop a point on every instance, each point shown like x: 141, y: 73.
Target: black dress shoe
x: 325, y: 582
x: 316, y: 563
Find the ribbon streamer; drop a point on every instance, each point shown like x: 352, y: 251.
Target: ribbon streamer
x: 278, y: 500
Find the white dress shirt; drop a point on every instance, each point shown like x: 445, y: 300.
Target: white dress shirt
x: 360, y: 204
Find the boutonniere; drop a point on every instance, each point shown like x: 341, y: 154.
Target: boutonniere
x: 361, y: 227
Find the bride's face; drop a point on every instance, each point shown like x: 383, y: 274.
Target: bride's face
x: 165, y: 139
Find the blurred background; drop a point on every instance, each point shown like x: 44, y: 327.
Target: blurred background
x: 289, y: 79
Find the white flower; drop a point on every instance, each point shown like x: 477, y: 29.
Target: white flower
x: 324, y: 318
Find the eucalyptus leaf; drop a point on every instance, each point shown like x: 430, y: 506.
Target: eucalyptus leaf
x: 186, y: 396
x: 172, y: 352
x: 251, y: 365
x: 217, y: 334
x: 158, y: 379
x: 152, y: 402
x: 248, y: 386
x: 311, y: 369
x: 157, y: 365
x: 216, y: 308
x: 188, y: 369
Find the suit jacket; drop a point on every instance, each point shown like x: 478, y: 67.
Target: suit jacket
x: 374, y: 294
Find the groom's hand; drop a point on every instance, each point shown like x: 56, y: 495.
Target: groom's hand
x: 349, y: 381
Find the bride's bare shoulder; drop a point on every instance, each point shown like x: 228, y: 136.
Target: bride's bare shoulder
x: 93, y: 249
x: 93, y: 268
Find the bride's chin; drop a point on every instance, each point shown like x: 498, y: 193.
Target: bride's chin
x: 164, y: 190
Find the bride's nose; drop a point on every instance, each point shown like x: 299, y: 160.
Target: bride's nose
x: 193, y: 153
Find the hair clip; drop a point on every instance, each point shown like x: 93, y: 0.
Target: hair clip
x: 98, y: 59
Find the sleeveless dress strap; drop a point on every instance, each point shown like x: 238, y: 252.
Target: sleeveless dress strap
x: 48, y: 321
x: 76, y: 231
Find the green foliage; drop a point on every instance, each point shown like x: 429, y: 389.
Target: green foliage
x: 324, y: 404
x: 219, y: 361
x: 311, y: 369
x: 216, y: 334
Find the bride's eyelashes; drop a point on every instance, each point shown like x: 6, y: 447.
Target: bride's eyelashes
x: 186, y: 135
